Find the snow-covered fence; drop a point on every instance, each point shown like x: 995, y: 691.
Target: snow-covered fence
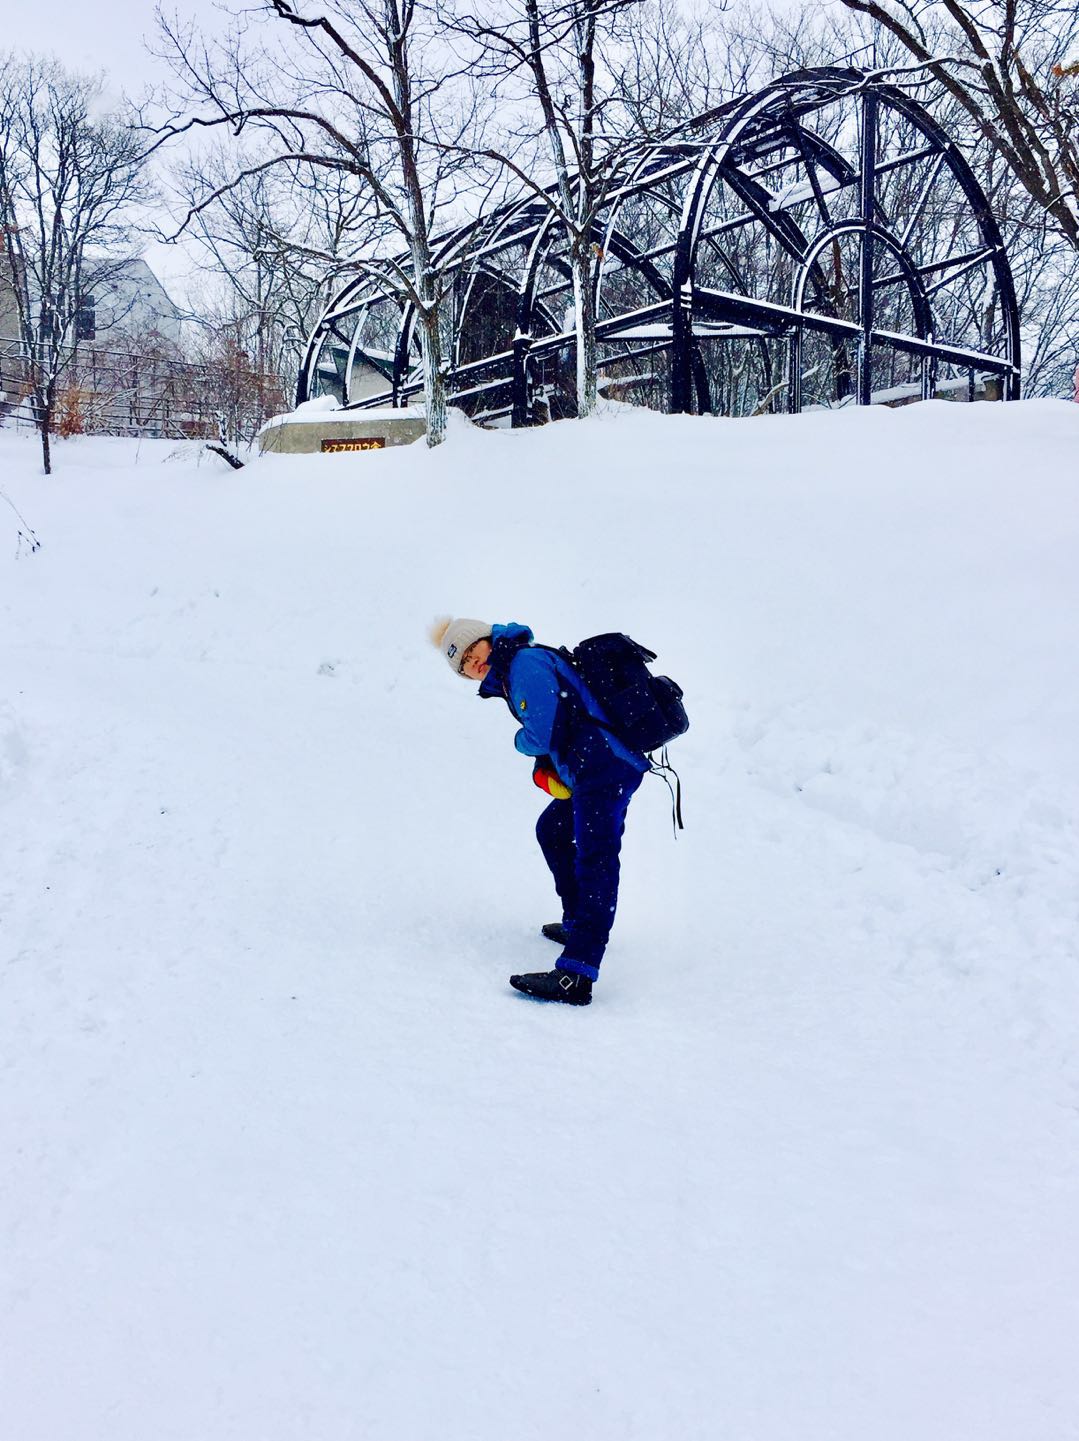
x: 143, y: 392
x: 12, y: 380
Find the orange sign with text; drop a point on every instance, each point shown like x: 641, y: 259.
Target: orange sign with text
x: 366, y: 442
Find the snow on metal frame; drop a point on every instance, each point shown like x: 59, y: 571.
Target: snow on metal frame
x: 820, y: 201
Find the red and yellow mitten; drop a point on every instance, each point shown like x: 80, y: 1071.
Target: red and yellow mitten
x: 547, y: 779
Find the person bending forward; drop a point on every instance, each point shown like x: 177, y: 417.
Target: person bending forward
x: 589, y: 772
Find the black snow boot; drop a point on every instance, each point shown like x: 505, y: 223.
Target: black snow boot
x: 555, y: 931
x: 564, y: 986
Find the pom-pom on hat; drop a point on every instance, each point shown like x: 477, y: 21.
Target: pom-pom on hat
x: 453, y: 638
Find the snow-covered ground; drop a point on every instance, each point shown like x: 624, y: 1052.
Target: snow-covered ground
x: 285, y: 1159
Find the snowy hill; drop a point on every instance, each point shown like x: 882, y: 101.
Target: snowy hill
x: 285, y: 1158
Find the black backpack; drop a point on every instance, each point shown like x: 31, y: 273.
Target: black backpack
x: 644, y: 711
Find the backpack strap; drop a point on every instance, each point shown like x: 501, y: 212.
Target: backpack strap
x: 661, y: 767
x: 571, y: 710
x: 576, y: 708
x: 665, y: 771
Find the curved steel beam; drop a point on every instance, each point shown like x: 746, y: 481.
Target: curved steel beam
x: 734, y: 146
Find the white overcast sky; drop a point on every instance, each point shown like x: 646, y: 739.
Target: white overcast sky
x: 110, y: 35
x: 97, y: 34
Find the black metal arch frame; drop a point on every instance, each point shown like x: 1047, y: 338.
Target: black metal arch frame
x: 841, y: 223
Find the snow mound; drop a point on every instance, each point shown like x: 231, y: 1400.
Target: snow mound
x: 285, y: 1158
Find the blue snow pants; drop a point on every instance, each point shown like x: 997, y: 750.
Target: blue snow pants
x: 580, y: 839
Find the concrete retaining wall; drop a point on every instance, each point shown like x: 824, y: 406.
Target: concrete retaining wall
x: 335, y: 432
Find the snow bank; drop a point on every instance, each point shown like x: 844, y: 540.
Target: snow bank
x: 286, y: 1158
x: 328, y: 406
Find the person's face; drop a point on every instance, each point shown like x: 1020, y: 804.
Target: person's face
x: 475, y: 663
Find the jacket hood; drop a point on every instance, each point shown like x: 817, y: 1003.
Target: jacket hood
x: 511, y: 632
x: 506, y: 641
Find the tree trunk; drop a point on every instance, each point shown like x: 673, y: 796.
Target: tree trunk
x: 45, y: 428
x: 434, y: 378
x: 587, y: 359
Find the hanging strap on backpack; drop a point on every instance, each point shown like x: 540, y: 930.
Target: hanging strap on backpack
x: 661, y: 767
x: 665, y: 771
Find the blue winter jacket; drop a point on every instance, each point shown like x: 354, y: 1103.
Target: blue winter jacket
x: 539, y: 686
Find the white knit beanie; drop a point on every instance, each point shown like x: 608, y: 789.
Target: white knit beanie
x: 453, y: 638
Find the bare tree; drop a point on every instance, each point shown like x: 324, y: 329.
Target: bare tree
x: 669, y: 66
x: 71, y: 180
x: 555, y: 64
x: 1046, y: 281
x: 358, y: 91
x: 1010, y: 66
x: 762, y: 44
x: 234, y: 392
x: 272, y: 249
